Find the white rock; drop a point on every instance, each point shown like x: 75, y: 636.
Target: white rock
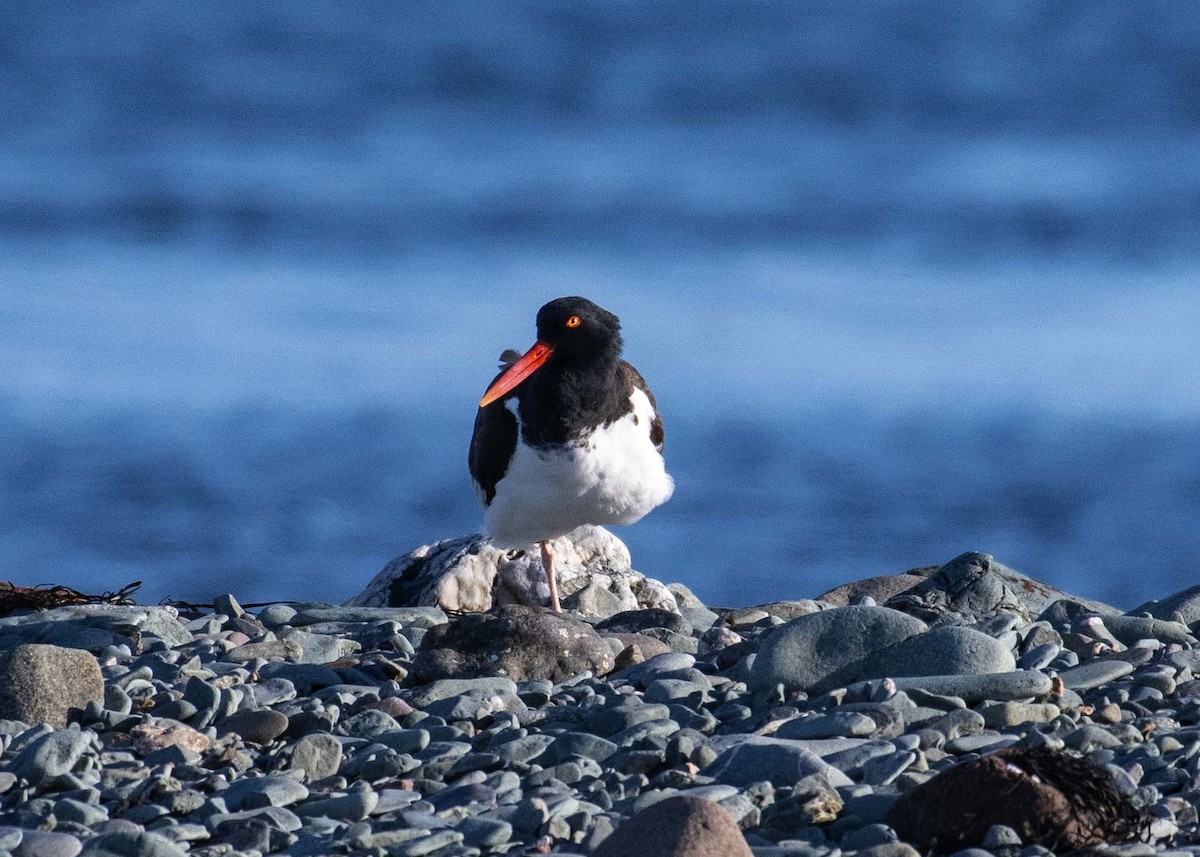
x: 468, y: 574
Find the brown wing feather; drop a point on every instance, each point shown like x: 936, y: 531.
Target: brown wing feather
x: 635, y: 381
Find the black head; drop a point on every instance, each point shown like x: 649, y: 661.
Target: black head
x: 576, y: 328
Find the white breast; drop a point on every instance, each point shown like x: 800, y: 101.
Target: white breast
x: 615, y: 476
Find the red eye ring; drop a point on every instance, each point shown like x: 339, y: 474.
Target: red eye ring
x: 574, y: 321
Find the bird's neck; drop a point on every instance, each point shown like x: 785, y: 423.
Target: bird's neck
x: 564, y: 400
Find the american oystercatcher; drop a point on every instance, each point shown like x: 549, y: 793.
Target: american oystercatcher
x: 567, y: 434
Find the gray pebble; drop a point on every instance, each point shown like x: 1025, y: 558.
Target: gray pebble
x: 318, y: 755
x: 1094, y: 674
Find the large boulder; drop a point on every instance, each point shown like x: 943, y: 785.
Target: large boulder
x: 41, y: 684
x: 522, y: 643
x: 682, y: 826
x: 467, y: 574
x: 973, y: 586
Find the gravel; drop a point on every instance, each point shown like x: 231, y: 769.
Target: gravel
x: 316, y: 729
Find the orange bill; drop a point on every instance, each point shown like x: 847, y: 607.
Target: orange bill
x: 518, y: 372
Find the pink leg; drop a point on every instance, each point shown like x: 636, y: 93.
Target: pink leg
x: 548, y: 564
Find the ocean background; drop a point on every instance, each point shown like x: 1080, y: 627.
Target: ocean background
x: 907, y: 280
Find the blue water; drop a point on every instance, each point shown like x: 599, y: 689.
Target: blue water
x: 907, y: 281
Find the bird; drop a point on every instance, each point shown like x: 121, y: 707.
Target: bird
x: 567, y: 434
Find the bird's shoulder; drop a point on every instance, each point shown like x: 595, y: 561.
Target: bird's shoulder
x: 634, y: 381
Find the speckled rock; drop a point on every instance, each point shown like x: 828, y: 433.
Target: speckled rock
x: 467, y: 574
x: 519, y: 642
x: 40, y: 684
x: 681, y: 826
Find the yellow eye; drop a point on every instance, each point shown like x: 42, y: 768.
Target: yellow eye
x: 574, y: 321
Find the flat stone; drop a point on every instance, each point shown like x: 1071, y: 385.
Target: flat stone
x: 40, y: 843
x: 1131, y: 629
x: 319, y: 648
x: 259, y: 726
x: 484, y: 833
x: 1094, y: 674
x: 1019, y: 684
x: 41, y: 684
x: 268, y: 650
x: 354, y: 806
x: 780, y: 761
x: 131, y: 845
x: 805, y: 652
x: 254, y: 792
x: 835, y: 724
x: 680, y: 826
x: 1005, y: 714
x: 637, y: 621
x: 52, y: 755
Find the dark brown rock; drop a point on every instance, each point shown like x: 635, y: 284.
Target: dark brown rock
x: 40, y: 683
x: 520, y: 642
x: 1048, y: 797
x: 678, y: 827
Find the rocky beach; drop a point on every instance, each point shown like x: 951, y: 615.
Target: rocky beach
x: 960, y: 708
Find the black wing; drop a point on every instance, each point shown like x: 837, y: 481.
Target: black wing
x: 635, y: 381
x: 492, y: 445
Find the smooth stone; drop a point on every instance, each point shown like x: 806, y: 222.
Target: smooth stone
x: 41, y: 683
x: 260, y: 726
x: 421, y: 697
x: 805, y: 652
x: 54, y: 754
x: 370, y: 724
x: 680, y: 826
x: 781, y: 762
x: 255, y: 792
x: 278, y: 817
x: 79, y: 812
x: 484, y: 833
x: 319, y: 648
x: 1000, y: 687
x: 306, y: 678
x: 835, y: 724
x: 40, y: 843
x: 570, y: 744
x: 978, y: 743
x: 1130, y: 629
x: 638, y: 621
x: 131, y: 845
x: 319, y: 755
x: 354, y: 806
x: 1094, y: 674
x: 946, y: 650
x: 268, y: 650
x: 1004, y: 714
